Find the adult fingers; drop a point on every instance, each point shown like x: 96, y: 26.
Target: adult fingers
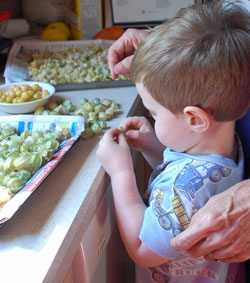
x: 210, y: 218
x: 200, y: 227
x: 214, y: 241
x: 244, y: 255
x: 123, y: 67
x: 231, y: 238
x: 118, y: 51
x: 241, y: 256
x: 237, y: 248
x: 115, y: 52
x: 124, y: 47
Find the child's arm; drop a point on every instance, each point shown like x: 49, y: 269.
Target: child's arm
x: 114, y: 154
x: 141, y: 135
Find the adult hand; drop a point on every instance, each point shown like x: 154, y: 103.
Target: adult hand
x: 121, y: 52
x: 221, y: 229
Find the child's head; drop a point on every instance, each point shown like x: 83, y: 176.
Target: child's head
x: 201, y: 58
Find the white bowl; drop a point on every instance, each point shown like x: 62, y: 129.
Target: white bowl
x: 27, y: 107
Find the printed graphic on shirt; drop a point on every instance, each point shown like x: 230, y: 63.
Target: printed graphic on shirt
x: 165, y: 218
x: 193, y: 178
x: 196, y: 174
x: 179, y: 268
x: 180, y: 210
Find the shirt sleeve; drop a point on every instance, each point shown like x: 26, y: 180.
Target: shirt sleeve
x: 167, y: 215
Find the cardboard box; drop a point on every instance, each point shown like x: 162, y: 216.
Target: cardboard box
x: 85, y: 17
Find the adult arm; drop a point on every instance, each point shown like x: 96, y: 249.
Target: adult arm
x: 221, y: 227
x: 121, y: 52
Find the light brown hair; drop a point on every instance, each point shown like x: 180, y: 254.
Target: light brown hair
x: 201, y: 57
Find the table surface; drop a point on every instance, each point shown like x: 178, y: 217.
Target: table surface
x: 38, y: 243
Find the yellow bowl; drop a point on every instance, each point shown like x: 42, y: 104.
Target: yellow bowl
x: 26, y: 107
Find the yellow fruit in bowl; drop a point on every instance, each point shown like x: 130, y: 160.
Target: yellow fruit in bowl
x: 56, y: 31
x: 61, y: 26
x: 54, y: 35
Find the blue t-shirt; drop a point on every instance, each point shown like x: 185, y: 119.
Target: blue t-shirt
x: 178, y: 187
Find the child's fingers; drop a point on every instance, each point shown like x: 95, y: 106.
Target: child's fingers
x: 114, y: 132
x: 109, y: 136
x: 132, y: 134
x: 131, y: 123
x: 121, y: 139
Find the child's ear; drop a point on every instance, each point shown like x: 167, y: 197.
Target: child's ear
x: 197, y: 119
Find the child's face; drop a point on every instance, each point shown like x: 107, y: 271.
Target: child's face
x: 171, y: 129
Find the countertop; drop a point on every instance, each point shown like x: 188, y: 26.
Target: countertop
x: 38, y: 243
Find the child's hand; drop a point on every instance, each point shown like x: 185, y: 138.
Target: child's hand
x: 140, y: 134
x: 114, y: 153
